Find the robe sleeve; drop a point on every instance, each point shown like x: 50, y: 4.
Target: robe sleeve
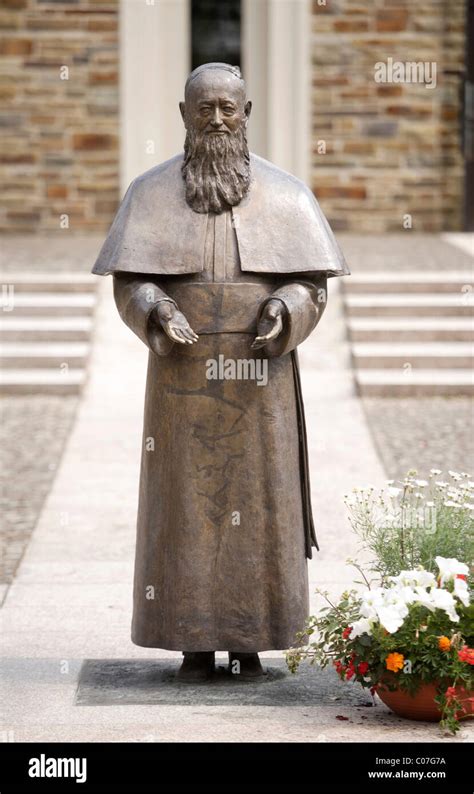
x: 136, y: 297
x: 304, y: 301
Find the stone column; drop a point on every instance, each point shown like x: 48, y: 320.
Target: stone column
x: 155, y: 61
x: 276, y: 67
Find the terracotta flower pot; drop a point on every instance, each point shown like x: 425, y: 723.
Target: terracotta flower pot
x: 422, y: 706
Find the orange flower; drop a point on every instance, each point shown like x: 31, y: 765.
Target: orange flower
x: 444, y: 643
x: 394, y: 662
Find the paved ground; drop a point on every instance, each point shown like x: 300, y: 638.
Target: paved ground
x: 71, y: 598
x: 70, y: 601
x: 422, y: 433
x: 417, y: 433
x: 33, y: 432
x: 33, y: 429
x: 406, y: 251
x: 52, y: 252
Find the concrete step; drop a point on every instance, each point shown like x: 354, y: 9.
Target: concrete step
x: 44, y: 329
x: 461, y: 281
x: 421, y: 304
x: 33, y: 355
x: 446, y: 355
x: 48, y: 282
x: 29, y: 304
x: 410, y: 329
x: 414, y: 382
x: 41, y: 381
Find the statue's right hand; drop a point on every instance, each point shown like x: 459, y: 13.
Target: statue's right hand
x: 174, y: 323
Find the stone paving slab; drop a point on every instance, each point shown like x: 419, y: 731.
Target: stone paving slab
x: 407, y: 251
x: 141, y: 682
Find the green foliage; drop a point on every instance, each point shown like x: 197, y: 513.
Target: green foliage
x: 408, y: 526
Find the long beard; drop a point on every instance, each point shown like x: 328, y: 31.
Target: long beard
x: 216, y: 170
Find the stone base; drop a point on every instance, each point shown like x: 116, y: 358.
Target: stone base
x: 146, y: 681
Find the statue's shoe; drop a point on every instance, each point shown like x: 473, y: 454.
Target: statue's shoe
x: 196, y: 667
x: 245, y: 666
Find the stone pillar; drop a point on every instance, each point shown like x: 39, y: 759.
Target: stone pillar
x: 155, y: 61
x: 276, y: 67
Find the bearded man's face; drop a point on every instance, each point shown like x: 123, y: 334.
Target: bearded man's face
x: 216, y: 166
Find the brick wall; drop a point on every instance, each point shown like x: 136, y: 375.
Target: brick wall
x: 392, y: 148
x: 60, y: 136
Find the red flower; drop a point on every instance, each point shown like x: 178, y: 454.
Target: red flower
x: 346, y: 632
x: 466, y: 655
x: 450, y: 693
x: 461, y: 576
x: 350, y: 673
x: 362, y: 667
x: 340, y: 668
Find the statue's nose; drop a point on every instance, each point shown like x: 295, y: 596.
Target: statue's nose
x: 216, y: 120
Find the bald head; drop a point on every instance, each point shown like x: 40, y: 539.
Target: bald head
x: 206, y: 69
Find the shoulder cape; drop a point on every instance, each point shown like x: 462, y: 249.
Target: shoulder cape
x: 279, y: 227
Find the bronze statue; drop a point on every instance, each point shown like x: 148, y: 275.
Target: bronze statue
x: 220, y: 261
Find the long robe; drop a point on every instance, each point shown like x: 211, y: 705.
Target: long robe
x: 224, y: 518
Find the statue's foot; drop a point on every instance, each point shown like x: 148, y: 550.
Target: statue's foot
x: 197, y: 666
x: 245, y: 666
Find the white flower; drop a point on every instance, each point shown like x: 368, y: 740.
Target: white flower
x: 405, y: 594
x: 450, y: 503
x: 391, y: 618
x: 441, y: 484
x: 423, y: 597
x: 449, y: 568
x: 435, y: 472
x: 461, y: 590
x: 394, y: 492
x: 421, y: 483
x: 468, y: 505
x: 455, y: 475
x: 453, y: 492
x: 414, y: 578
x: 389, y: 607
x: 443, y: 599
x: 362, y: 626
x: 370, y: 601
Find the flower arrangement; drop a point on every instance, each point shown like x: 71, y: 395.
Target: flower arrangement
x: 412, y: 626
x: 414, y: 629
x: 418, y: 628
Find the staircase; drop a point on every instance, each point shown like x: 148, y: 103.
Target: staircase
x: 45, y: 328
x: 411, y: 334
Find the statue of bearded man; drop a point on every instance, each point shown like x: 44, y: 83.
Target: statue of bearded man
x: 220, y: 262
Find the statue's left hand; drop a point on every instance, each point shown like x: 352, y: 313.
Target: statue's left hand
x: 270, y: 324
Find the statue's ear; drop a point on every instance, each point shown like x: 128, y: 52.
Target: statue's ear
x: 248, y: 108
x: 182, y: 111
